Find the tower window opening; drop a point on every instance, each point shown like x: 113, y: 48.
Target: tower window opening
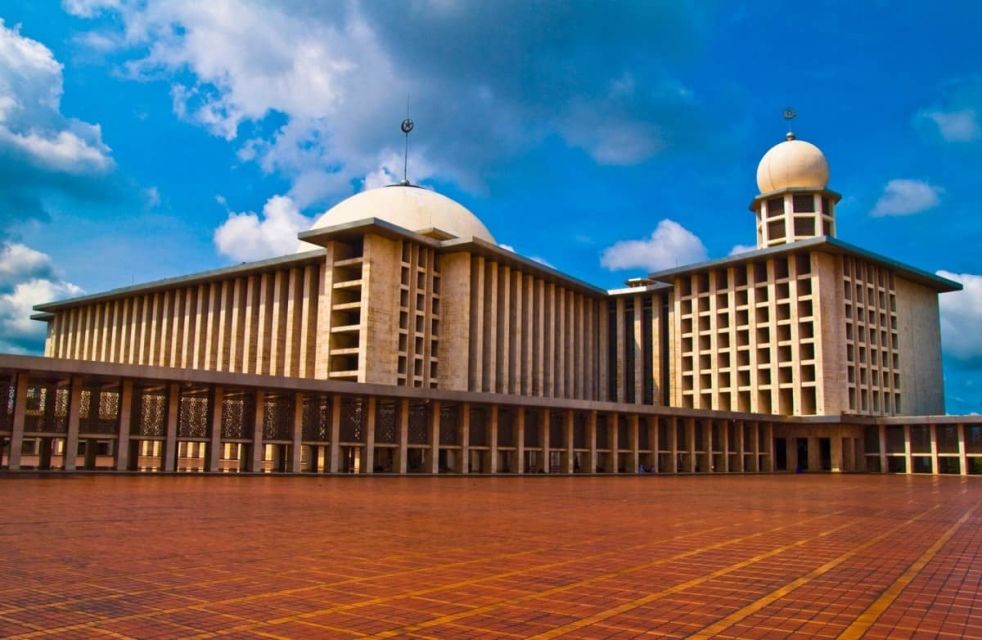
x: 804, y: 203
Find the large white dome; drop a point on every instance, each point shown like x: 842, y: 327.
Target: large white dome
x: 792, y: 164
x: 409, y: 207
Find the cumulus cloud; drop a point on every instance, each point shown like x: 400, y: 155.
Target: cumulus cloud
x: 961, y: 318
x: 27, y: 278
x: 42, y: 152
x: 955, y: 126
x: 742, y: 248
x: 905, y: 197
x: 334, y: 78
x: 670, y: 245
x: 249, y: 236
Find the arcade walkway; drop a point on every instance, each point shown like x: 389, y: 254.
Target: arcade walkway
x: 849, y: 556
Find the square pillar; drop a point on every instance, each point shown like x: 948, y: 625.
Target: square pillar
x: 544, y: 439
x: 707, y: 426
x: 613, y: 435
x: 74, y: 407
x: 740, y: 446
x: 632, y: 435
x: 434, y: 454
x: 170, y: 433
x: 124, y: 425
x: 835, y: 448
x: 725, y: 437
x: 908, y: 459
x: 568, y: 436
x: 883, y: 448
x: 962, y: 451
x: 591, y: 440
x: 371, y: 410
x: 334, y: 453
x: 935, y: 466
x: 690, y: 434
x: 652, y: 426
x: 17, y: 427
x: 464, y: 421
x: 755, y: 433
x: 520, y: 439
x: 769, y: 447
x: 493, y: 439
x: 673, y: 437
x: 215, y: 402
x: 296, y: 444
x: 402, y: 460
x: 814, y: 455
x: 255, y: 462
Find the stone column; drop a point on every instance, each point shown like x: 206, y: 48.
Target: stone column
x: 170, y: 434
x: 568, y: 466
x: 814, y: 455
x: 690, y: 434
x: 725, y: 437
x: 962, y: 451
x: 653, y: 441
x: 591, y: 440
x: 434, y: 456
x: 708, y: 439
x: 124, y: 425
x: 613, y: 437
x: 883, y: 448
x: 371, y: 411
x: 215, y: 443
x: 935, y: 466
x: 673, y: 437
x: 544, y: 427
x: 256, y: 459
x: 402, y: 462
x: 17, y: 426
x: 755, y: 434
x: 769, y: 447
x: 740, y: 447
x: 74, y: 408
x: 464, y: 420
x: 520, y: 439
x: 493, y: 439
x: 908, y: 458
x: 334, y: 454
x: 296, y: 445
x: 632, y: 434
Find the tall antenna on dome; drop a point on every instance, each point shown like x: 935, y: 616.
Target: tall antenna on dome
x: 789, y: 115
x: 407, y: 126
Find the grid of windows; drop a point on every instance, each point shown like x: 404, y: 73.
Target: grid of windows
x: 419, y: 316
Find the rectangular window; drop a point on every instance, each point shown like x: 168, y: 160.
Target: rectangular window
x: 804, y: 203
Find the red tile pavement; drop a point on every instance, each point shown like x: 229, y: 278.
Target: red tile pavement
x: 617, y: 557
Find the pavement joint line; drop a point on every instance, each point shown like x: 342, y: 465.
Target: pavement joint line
x: 784, y: 590
x: 872, y: 613
x: 254, y: 626
x: 357, y: 605
x: 593, y: 579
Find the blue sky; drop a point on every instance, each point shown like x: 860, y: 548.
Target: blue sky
x: 140, y: 141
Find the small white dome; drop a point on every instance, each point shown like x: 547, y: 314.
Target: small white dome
x: 409, y: 207
x: 792, y: 164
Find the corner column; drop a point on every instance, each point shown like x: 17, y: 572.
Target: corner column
x: 74, y: 407
x: 334, y: 453
x: 908, y: 458
x: 962, y: 451
x: 17, y: 427
x: 371, y: 411
x: 935, y: 466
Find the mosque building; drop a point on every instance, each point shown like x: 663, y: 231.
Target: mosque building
x: 401, y: 338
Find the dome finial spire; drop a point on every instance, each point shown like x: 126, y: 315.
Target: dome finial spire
x: 789, y: 115
x: 407, y: 126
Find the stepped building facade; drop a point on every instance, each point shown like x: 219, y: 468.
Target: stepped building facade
x: 400, y: 337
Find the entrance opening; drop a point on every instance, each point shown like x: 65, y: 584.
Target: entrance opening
x: 825, y: 453
x: 780, y: 454
x: 801, y: 445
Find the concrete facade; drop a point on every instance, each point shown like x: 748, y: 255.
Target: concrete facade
x: 805, y: 326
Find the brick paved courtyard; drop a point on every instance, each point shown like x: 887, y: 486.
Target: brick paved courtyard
x: 631, y: 557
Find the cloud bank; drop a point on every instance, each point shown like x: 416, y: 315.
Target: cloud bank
x: 670, y: 245
x: 906, y: 197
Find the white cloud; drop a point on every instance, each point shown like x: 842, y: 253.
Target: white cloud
x: 152, y: 195
x: 742, y: 248
x: 670, y: 245
x: 961, y: 317
x: 31, y: 123
x: 955, y: 126
x: 334, y: 75
x: 249, y: 236
x: 905, y: 197
x: 27, y: 278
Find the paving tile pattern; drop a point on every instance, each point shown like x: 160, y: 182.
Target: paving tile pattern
x: 496, y: 558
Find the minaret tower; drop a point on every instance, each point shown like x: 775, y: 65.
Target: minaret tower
x: 794, y: 202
